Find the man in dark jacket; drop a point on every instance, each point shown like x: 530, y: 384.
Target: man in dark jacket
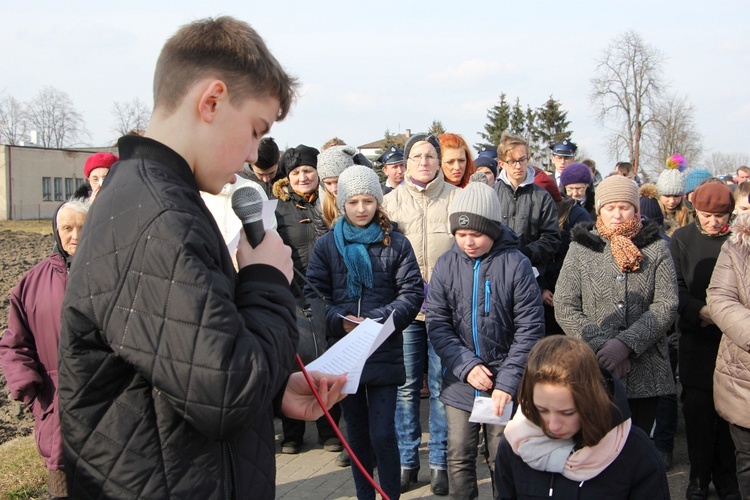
x: 28, y: 350
x: 265, y: 170
x: 171, y: 363
x: 525, y: 207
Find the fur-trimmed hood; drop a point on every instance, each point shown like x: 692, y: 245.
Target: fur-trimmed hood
x: 281, y: 189
x: 741, y: 230
x: 586, y: 235
x: 283, y: 192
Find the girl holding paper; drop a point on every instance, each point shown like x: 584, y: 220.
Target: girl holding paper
x: 484, y: 313
x: 365, y: 269
x: 572, y: 436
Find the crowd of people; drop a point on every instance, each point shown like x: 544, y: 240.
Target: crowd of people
x: 155, y: 364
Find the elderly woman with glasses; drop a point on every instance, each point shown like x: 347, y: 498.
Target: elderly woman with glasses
x: 420, y: 210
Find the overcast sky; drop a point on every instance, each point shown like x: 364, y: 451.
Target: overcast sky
x: 368, y: 67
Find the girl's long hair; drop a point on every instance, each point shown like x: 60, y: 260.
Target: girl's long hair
x: 569, y: 362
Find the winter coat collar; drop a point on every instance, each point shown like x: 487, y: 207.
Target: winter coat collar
x: 133, y: 146
x: 584, y: 234
x: 432, y: 187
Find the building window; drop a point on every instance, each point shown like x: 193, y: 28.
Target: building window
x: 69, y: 188
x: 58, y: 189
x: 46, y: 189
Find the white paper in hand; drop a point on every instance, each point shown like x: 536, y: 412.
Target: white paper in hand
x: 483, y: 412
x: 349, y: 354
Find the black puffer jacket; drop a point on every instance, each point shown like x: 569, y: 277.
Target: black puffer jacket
x: 169, y: 361
x: 300, y: 225
x: 531, y: 212
x: 397, y: 288
x: 636, y: 473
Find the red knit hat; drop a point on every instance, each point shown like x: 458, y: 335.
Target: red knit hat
x: 714, y: 198
x: 98, y: 160
x: 545, y: 181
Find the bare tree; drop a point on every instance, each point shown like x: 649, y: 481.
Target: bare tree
x: 626, y: 90
x: 130, y: 115
x: 54, y: 118
x: 673, y: 133
x: 724, y: 163
x: 12, y: 121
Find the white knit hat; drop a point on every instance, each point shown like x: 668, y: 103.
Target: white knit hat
x: 355, y: 180
x: 671, y: 182
x: 334, y: 160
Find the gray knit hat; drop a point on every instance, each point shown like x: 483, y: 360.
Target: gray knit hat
x: 671, y: 182
x: 355, y: 180
x: 617, y: 188
x: 477, y: 208
x: 334, y: 160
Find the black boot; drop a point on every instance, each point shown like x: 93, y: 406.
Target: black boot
x: 439, y: 481
x: 408, y: 476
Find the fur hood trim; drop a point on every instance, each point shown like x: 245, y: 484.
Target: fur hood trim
x: 741, y: 230
x: 281, y: 189
x: 584, y: 234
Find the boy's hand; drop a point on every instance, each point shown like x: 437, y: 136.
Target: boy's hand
x: 272, y: 251
x: 501, y: 398
x: 479, y: 378
x: 299, y: 401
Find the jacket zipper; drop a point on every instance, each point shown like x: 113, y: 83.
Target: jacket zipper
x: 231, y: 487
x: 474, y: 307
x: 487, y: 298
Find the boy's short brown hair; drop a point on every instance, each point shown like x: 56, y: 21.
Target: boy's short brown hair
x: 509, y: 141
x: 228, y: 49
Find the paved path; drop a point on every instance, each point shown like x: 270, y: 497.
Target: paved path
x: 313, y: 474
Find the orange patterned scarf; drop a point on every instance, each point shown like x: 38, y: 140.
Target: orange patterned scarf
x: 627, y: 256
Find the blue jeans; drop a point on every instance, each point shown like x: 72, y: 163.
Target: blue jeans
x: 371, y: 428
x: 417, y: 350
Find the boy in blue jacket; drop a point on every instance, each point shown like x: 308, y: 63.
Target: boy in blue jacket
x: 484, y: 314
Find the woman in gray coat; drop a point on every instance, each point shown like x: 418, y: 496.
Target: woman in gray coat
x: 618, y: 291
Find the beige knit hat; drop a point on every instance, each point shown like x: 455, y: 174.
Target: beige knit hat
x: 616, y: 188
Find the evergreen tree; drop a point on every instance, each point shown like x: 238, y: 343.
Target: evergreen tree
x: 552, y: 125
x: 518, y: 123
x: 498, y: 120
x: 436, y: 128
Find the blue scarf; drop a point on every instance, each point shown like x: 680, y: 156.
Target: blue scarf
x: 352, y: 243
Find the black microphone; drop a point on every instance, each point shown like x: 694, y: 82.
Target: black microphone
x: 247, y: 204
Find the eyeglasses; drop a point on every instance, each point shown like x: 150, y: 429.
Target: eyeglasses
x: 575, y: 189
x: 418, y: 158
x: 521, y: 161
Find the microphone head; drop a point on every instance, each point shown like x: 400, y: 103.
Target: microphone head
x: 247, y: 204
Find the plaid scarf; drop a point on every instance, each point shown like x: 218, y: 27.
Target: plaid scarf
x: 627, y: 256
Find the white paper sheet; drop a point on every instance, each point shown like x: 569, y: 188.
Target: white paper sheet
x: 483, y: 412
x: 349, y: 354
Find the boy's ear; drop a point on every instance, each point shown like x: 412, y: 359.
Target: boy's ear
x: 215, y: 92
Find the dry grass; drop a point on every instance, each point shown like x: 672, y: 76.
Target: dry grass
x: 22, y: 471
x: 43, y: 226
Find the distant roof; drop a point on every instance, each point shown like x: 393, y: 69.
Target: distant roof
x: 380, y: 144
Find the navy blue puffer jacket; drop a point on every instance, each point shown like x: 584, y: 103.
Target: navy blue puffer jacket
x: 483, y: 311
x: 398, y: 288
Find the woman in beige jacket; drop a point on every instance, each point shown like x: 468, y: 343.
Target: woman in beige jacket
x: 419, y: 208
x: 729, y: 303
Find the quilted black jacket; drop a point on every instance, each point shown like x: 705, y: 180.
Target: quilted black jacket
x: 169, y: 361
